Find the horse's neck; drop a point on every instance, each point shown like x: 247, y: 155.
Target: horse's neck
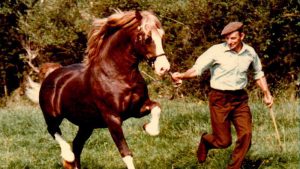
x: 117, y: 58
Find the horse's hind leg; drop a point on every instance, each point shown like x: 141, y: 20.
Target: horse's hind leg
x: 152, y: 128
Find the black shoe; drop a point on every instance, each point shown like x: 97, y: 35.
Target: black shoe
x: 202, y: 150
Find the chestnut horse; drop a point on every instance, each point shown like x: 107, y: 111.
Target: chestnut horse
x: 107, y: 88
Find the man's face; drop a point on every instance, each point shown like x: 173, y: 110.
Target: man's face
x: 234, y: 40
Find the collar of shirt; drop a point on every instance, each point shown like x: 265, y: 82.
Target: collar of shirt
x: 227, y: 49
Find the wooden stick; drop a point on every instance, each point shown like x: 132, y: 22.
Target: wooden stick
x: 276, y: 129
x: 149, y: 76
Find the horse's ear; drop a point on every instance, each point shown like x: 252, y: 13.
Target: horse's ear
x: 138, y: 15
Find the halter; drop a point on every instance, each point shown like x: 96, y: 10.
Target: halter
x: 162, y: 54
x: 151, y: 60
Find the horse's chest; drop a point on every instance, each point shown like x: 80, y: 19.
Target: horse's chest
x: 121, y: 96
x: 131, y: 100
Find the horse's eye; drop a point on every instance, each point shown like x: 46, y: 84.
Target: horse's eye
x: 148, y: 40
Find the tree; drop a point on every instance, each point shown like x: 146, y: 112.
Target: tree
x: 58, y: 29
x: 11, y: 66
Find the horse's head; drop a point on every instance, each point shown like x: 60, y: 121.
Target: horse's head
x: 148, y: 42
x: 144, y: 31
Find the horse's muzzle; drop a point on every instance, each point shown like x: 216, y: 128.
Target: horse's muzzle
x: 161, y: 65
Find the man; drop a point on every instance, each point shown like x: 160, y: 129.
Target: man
x: 228, y: 101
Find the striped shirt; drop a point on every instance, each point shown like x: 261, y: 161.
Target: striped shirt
x: 228, y: 68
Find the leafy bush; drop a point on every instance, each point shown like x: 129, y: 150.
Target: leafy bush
x: 58, y: 28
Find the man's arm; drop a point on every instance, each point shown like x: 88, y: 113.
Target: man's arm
x: 190, y: 73
x: 202, y: 63
x: 262, y: 83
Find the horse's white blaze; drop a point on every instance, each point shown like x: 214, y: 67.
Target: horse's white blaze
x: 152, y: 128
x: 157, y: 38
x: 161, y: 63
x: 66, y: 151
x: 128, y: 160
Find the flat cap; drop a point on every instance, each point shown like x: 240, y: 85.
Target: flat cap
x: 231, y: 27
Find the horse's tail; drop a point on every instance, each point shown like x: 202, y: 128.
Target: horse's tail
x: 32, y: 89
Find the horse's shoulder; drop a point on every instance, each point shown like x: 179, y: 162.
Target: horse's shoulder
x: 64, y: 72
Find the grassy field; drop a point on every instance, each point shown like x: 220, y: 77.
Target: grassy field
x: 25, y: 143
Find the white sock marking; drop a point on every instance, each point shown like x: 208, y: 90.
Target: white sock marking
x: 152, y: 128
x: 128, y: 160
x: 66, y: 151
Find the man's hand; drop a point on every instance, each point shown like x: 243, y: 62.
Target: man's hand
x: 262, y: 83
x: 176, y: 77
x: 268, y: 99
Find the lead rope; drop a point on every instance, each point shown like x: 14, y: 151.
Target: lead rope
x: 176, y: 86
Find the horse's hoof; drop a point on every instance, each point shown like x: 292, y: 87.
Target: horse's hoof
x: 69, y: 165
x: 150, y: 130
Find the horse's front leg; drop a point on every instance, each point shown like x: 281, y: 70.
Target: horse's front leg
x: 114, y: 125
x: 152, y: 128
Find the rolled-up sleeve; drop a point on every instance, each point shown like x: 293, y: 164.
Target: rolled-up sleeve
x: 257, y: 67
x: 204, y: 61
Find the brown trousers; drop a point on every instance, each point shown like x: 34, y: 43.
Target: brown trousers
x: 226, y: 107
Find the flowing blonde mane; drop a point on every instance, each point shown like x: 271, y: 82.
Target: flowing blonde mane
x: 118, y: 20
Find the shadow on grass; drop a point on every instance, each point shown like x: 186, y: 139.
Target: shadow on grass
x: 252, y: 164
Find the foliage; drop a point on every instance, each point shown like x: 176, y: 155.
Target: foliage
x: 272, y: 28
x: 10, y: 48
x: 59, y: 28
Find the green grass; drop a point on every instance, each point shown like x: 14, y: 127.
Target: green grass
x: 25, y: 143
